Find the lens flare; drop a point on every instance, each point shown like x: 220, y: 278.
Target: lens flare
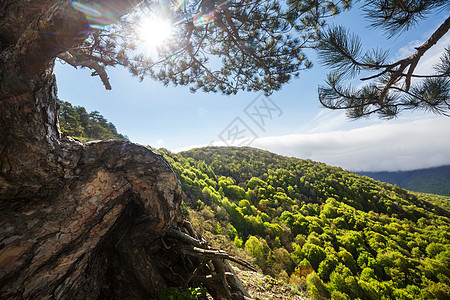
x: 178, y: 4
x: 153, y: 31
x: 89, y: 11
x: 204, y: 18
x: 96, y: 15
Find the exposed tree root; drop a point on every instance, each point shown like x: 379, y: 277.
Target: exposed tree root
x: 199, y: 264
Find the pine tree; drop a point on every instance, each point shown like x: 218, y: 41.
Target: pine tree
x: 258, y: 45
x: 223, y: 46
x: 394, y: 85
x: 85, y: 220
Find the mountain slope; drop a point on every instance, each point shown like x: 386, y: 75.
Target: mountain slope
x: 430, y: 180
x: 338, y: 234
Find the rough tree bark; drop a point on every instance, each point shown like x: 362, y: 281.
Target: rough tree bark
x: 82, y: 221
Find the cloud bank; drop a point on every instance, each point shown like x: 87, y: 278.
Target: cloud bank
x: 382, y: 147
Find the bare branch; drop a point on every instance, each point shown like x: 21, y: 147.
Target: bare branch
x: 413, y: 60
x: 84, y: 61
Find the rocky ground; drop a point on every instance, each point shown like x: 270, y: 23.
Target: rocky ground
x: 265, y: 287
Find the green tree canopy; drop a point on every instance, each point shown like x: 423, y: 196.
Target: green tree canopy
x: 229, y: 46
x: 395, y: 248
x: 222, y: 46
x: 77, y: 122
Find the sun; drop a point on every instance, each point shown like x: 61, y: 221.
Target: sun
x: 154, y: 31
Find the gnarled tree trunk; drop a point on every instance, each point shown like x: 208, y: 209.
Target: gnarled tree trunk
x: 80, y: 221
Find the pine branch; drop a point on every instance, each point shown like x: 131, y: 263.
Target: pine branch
x: 234, y: 35
x: 413, y: 60
x: 88, y: 62
x: 345, y: 52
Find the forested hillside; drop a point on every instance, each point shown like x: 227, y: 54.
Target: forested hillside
x: 431, y: 180
x: 333, y: 232
x: 76, y: 122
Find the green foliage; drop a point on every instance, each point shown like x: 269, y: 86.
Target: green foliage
x: 336, y: 233
x: 256, y: 248
x: 326, y: 267
x: 434, y: 249
x: 316, y: 287
x: 259, y: 45
x: 438, y: 291
x: 182, y: 294
x: 313, y: 253
x: 238, y: 242
x: 78, y: 123
x: 215, y: 46
x: 337, y: 295
x: 279, y: 261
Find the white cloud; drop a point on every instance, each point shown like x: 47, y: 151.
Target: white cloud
x: 326, y: 120
x: 407, y: 50
x: 380, y: 147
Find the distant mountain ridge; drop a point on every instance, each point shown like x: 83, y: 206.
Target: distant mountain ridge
x: 431, y: 180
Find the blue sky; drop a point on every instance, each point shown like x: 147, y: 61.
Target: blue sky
x: 294, y: 122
